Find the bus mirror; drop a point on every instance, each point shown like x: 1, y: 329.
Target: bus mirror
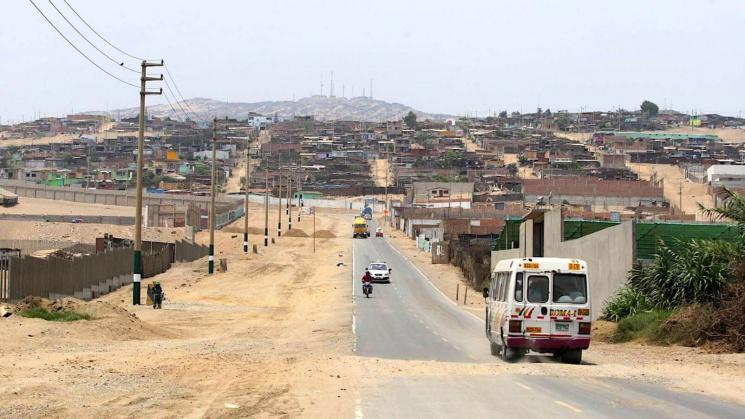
x: 485, y: 292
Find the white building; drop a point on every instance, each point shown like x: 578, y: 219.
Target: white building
x: 729, y: 175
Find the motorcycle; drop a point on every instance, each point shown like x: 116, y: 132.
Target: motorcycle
x: 367, y: 289
x: 157, y: 300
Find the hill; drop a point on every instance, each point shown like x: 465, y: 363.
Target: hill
x: 321, y: 107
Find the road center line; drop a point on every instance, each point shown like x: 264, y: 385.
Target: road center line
x: 568, y: 406
x: 523, y: 386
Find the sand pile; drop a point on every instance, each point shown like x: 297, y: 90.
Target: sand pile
x: 295, y: 233
x: 325, y: 234
x: 107, y: 320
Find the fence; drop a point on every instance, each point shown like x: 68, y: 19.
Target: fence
x: 41, y: 277
x: 26, y: 275
x: 187, y: 252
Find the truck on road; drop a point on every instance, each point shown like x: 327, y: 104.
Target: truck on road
x: 359, y: 228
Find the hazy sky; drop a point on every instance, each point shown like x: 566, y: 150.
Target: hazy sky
x: 437, y: 56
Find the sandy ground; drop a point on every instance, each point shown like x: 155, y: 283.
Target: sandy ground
x: 380, y: 172
x: 271, y: 337
x: 39, y: 206
x: 82, y: 233
x: 734, y: 135
x: 523, y: 172
x: 672, y: 177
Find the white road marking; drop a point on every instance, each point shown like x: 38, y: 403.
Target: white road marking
x: 358, y: 409
x: 568, y: 406
x: 443, y: 339
x: 523, y: 386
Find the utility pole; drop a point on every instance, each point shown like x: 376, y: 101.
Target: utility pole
x: 314, y: 229
x: 246, y: 185
x: 279, y: 199
x: 266, y: 209
x: 137, y: 262
x: 299, y: 189
x: 213, y: 191
x: 289, y: 202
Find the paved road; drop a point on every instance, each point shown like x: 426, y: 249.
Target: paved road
x: 410, y: 319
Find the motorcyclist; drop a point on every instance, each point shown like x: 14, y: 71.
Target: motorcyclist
x: 157, y: 297
x: 367, y: 278
x: 367, y: 283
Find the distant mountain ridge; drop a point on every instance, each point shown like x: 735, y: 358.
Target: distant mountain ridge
x: 323, y: 108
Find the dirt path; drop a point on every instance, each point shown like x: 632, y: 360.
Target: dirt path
x: 677, y: 189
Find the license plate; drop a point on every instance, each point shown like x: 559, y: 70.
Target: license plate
x: 533, y: 329
x: 562, y: 327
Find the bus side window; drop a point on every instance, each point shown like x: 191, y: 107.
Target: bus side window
x: 494, y: 282
x: 519, y: 287
x: 498, y: 289
x: 506, y: 286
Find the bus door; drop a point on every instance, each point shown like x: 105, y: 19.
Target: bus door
x: 535, y: 313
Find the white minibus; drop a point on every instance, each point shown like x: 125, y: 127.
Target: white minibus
x: 539, y: 304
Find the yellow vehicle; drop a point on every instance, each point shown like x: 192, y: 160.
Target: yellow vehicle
x: 360, y: 228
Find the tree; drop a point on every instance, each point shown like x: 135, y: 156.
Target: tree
x: 512, y: 169
x: 503, y: 114
x: 410, y: 120
x: 650, y: 108
x: 547, y: 113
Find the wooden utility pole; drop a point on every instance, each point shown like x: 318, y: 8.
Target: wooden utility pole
x: 266, y: 209
x: 213, y: 191
x: 137, y: 262
x: 246, y: 185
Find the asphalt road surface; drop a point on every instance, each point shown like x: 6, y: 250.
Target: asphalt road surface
x: 410, y: 319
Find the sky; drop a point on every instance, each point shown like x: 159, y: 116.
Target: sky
x: 457, y: 57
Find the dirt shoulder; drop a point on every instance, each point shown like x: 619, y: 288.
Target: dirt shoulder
x: 269, y: 337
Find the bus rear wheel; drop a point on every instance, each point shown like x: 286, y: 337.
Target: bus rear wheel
x: 573, y: 356
x: 496, y: 350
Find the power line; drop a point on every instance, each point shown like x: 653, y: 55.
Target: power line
x: 175, y: 112
x: 193, y: 114
x: 168, y: 86
x: 121, y: 64
x: 179, y: 92
x: 78, y: 49
x: 99, y: 35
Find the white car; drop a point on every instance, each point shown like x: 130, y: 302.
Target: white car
x: 380, y: 272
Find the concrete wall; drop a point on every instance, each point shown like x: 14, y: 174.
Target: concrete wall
x: 88, y: 219
x: 99, y: 196
x: 320, y: 203
x: 597, y: 201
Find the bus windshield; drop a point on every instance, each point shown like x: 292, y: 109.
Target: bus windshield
x: 570, y: 288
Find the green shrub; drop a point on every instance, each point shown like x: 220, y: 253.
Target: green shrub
x: 641, y: 326
x: 54, y: 316
x: 696, y: 272
x: 625, y: 303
